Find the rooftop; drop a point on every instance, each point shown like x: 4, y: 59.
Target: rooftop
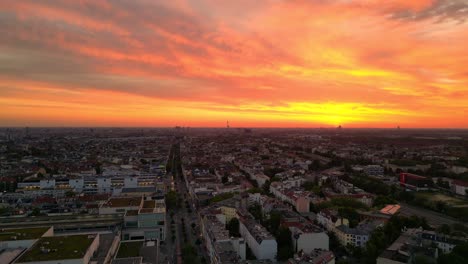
x: 129, y: 249
x: 131, y: 213
x: 390, y: 209
x: 58, y: 248
x: 22, y: 233
x: 123, y: 202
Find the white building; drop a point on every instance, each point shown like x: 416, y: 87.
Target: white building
x: 330, y: 219
x: 307, y: 238
x: 374, y: 170
x: 220, y: 246
x: 460, y: 187
x: 260, y: 241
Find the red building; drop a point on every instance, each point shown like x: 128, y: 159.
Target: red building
x: 415, y: 182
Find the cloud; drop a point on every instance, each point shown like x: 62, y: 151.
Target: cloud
x: 439, y: 10
x: 200, y: 59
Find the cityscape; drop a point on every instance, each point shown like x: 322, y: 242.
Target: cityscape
x: 233, y: 132
x: 233, y: 195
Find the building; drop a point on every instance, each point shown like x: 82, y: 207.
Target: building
x: 460, y: 187
x: 357, y: 236
x: 374, y: 170
x: 317, y: 256
x: 260, y: 241
x: 23, y: 237
x: 62, y: 250
x: 89, y: 185
x: 330, y: 219
x: 416, y: 241
x: 295, y: 196
x: 220, y: 246
x: 306, y: 236
x: 415, y: 182
x: 143, y: 219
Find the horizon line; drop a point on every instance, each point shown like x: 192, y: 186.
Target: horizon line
x: 242, y: 127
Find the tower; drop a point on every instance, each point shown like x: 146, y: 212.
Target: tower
x: 227, y: 124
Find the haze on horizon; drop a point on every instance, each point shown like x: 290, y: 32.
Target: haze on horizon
x: 271, y: 63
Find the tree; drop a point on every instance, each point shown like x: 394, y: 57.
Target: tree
x: 98, y: 168
x: 172, y: 200
x: 189, y: 255
x: 35, y: 212
x: 256, y: 211
x: 285, y: 245
x: 266, y: 187
x: 315, y: 165
x: 225, y: 179
x: 274, y: 221
x: 233, y: 227
x: 459, y: 255
x: 421, y: 259
x: 381, y: 201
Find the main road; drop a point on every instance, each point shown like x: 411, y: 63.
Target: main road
x: 182, y: 215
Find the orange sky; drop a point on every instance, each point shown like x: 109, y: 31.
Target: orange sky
x: 271, y: 63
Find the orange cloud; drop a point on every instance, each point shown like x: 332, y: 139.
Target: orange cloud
x: 256, y: 63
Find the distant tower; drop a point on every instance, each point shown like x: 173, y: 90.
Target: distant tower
x: 398, y: 127
x: 339, y: 127
x: 227, y: 124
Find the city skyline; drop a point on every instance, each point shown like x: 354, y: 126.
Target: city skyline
x: 271, y: 63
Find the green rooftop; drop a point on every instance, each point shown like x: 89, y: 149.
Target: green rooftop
x: 57, y: 248
x: 22, y: 233
x: 129, y: 249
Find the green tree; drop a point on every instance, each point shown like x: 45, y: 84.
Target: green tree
x: 256, y: 211
x: 274, y: 222
x: 172, y: 200
x: 224, y: 179
x: 266, y: 187
x: 285, y: 244
x: 233, y: 227
x: 459, y: 255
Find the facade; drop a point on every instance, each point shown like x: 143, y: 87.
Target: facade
x: 307, y: 238
x: 317, y: 256
x: 374, y: 170
x: 88, y: 185
x: 415, y: 182
x: 260, y: 241
x: 300, y: 199
x: 330, y: 219
x: 416, y: 241
x: 357, y: 236
x: 460, y: 187
x: 143, y: 219
x: 220, y: 246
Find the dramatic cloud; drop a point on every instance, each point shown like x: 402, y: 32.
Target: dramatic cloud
x: 255, y: 63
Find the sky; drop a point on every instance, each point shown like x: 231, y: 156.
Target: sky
x: 270, y: 63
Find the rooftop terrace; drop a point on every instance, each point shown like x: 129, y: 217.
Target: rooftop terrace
x: 123, y: 202
x: 22, y: 233
x: 58, y: 248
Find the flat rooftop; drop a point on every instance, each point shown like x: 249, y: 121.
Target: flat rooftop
x: 58, y: 248
x: 22, y: 233
x: 149, y: 204
x: 129, y: 249
x: 123, y: 202
x: 136, y: 260
x: 131, y: 212
x: 153, y: 206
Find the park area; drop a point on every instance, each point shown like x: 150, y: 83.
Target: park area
x: 433, y: 197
